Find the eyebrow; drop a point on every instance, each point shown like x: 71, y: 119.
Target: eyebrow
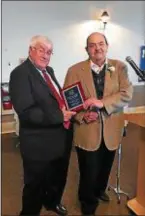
x: 97, y: 43
x: 41, y: 47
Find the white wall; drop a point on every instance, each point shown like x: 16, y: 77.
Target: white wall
x: 68, y: 23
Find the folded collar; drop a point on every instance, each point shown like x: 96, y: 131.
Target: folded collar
x: 96, y: 68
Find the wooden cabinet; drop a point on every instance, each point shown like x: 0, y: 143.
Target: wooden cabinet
x: 8, y: 122
x: 136, y: 115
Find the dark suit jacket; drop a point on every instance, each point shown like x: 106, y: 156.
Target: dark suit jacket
x: 42, y: 135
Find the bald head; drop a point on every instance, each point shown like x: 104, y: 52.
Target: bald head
x: 97, y: 47
x: 94, y: 34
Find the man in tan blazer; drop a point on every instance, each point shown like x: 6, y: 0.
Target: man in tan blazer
x: 98, y: 128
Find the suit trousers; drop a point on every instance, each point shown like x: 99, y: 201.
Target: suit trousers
x: 44, y: 181
x: 94, y: 167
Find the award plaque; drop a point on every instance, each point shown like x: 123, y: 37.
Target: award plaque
x: 73, y: 96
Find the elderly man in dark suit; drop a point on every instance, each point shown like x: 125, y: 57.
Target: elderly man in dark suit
x: 45, y: 134
x: 98, y: 128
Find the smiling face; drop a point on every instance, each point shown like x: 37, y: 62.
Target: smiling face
x: 97, y: 48
x: 40, y: 54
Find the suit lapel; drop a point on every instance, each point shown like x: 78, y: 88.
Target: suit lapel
x: 87, y: 77
x: 88, y: 82
x: 38, y: 76
x: 108, y: 83
x: 36, y: 73
x: 51, y: 73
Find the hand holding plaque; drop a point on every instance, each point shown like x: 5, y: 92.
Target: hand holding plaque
x: 74, y: 97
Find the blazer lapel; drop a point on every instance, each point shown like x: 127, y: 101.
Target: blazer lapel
x: 87, y: 77
x: 51, y: 73
x: 38, y: 76
x: 108, y: 83
x: 36, y: 73
x: 88, y: 82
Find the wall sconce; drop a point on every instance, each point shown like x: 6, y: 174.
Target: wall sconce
x: 104, y: 18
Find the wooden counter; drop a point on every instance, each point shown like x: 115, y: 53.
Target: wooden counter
x: 136, y: 115
x: 8, y: 121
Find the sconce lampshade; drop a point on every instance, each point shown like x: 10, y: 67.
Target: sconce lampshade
x: 105, y: 17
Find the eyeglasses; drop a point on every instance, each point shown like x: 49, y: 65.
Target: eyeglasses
x: 43, y: 52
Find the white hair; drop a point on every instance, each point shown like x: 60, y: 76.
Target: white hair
x: 40, y: 39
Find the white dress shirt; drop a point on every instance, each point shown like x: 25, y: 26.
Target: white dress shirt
x: 97, y: 68
x: 56, y: 87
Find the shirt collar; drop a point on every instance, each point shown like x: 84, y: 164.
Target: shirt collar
x: 97, y: 68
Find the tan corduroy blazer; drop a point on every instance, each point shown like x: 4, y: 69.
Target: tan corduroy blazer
x: 118, y: 92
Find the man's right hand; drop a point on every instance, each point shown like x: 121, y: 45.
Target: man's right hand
x: 67, y: 114
x: 91, y: 102
x: 90, y: 116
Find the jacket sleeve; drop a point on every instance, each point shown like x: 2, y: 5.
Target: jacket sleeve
x: 71, y: 78
x: 28, y: 109
x: 115, y: 102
